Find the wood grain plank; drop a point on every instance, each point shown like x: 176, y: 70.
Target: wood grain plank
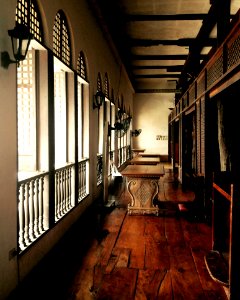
x: 175, y: 194
x: 149, y: 283
x: 209, y: 286
x: 119, y: 258
x: 118, y: 285
x: 186, y: 285
x: 107, y: 244
x: 185, y: 279
x: 134, y: 224
x: 156, y: 255
x: 179, y: 249
x: 123, y: 259
x: 166, y: 290
x: 114, y: 220
x: 155, y: 228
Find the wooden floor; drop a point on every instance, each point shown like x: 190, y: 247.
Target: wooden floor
x: 111, y: 255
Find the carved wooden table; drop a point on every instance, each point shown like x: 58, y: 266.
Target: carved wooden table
x: 145, y: 154
x: 136, y: 152
x: 143, y: 187
x: 138, y: 160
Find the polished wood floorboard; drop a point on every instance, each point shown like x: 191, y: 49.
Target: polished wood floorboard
x: 111, y: 255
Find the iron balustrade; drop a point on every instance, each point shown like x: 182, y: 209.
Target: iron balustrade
x: 99, y: 169
x: 82, y: 179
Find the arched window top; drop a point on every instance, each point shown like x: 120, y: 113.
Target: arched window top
x: 120, y: 102
x: 61, y: 38
x: 112, y: 96
x: 121, y: 108
x: 27, y: 13
x: 99, y: 83
x: 81, y: 66
x: 106, y: 86
x: 129, y: 113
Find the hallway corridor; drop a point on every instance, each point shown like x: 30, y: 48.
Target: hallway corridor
x: 111, y: 255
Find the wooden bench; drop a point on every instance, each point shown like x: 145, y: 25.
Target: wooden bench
x: 223, y: 261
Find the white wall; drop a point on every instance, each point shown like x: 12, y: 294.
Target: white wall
x: 151, y: 115
x: 86, y: 36
x: 8, y: 160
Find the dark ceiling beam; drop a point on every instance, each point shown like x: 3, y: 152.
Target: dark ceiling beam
x: 175, y: 17
x: 180, y: 42
x: 223, y: 19
x: 173, y: 68
x: 157, y: 76
x: 163, y: 57
x: 192, y: 64
x: 160, y: 91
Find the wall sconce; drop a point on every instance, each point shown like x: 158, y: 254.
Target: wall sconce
x: 136, y: 132
x: 20, y: 37
x: 117, y: 126
x: 120, y: 113
x: 98, y: 99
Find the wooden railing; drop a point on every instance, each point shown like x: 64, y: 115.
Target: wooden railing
x: 64, y: 191
x: 33, y: 200
x: 33, y: 216
x: 124, y: 153
x: 224, y: 61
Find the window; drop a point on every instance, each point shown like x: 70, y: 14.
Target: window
x: 61, y: 39
x: 82, y: 128
x: 27, y: 134
x: 100, y: 117
x: 27, y: 97
x: 32, y: 129
x: 63, y: 95
x: 27, y: 13
x: 60, y: 116
x: 64, y: 119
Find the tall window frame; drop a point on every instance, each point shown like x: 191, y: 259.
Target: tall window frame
x: 29, y: 129
x: 64, y: 105
x: 32, y: 131
x: 61, y: 39
x: 82, y: 125
x: 27, y: 13
x: 100, y: 117
x: 82, y: 107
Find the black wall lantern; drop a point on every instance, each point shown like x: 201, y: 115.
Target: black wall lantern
x: 120, y: 113
x: 98, y: 99
x: 136, y: 132
x: 20, y: 38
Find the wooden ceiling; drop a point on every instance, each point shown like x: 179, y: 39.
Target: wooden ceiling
x: 164, y: 43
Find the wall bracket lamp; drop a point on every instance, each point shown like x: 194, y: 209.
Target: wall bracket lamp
x: 136, y: 132
x: 20, y: 38
x: 117, y: 126
x: 98, y: 99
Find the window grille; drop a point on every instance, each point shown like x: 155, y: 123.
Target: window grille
x: 99, y: 82
x: 26, y: 114
x: 81, y: 66
x: 27, y: 13
x: 112, y: 97
x: 106, y: 86
x: 60, y: 118
x: 80, y: 119
x: 61, y: 39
